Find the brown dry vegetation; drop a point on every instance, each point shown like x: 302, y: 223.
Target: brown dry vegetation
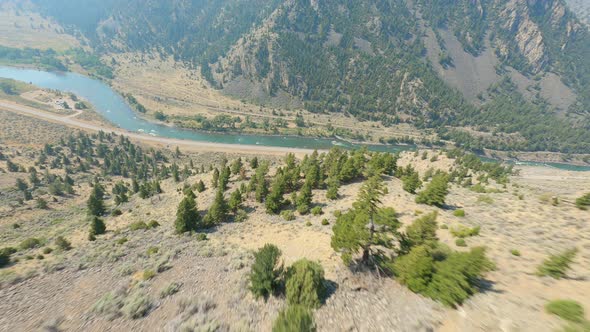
x: 24, y: 28
x: 180, y: 92
x: 62, y: 289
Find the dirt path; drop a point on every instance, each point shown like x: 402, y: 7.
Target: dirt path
x: 192, y: 145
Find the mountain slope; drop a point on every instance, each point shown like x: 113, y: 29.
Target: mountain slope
x: 435, y: 64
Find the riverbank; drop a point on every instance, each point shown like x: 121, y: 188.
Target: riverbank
x: 195, y: 146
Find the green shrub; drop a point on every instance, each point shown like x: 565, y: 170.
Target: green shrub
x: 459, y: 213
x: 47, y: 250
x: 152, y: 251
x: 122, y: 240
x: 170, y: 290
x: 138, y: 225
x: 460, y: 242
x: 308, y: 223
x: 265, y: 275
x: 515, y: 252
x: 62, y: 243
x: 137, y: 305
x: 153, y: 224
x: 5, y: 256
x: 485, y: 199
x: 422, y: 230
x: 116, y: 212
x: 29, y: 243
x: 556, y: 266
x: 566, y: 309
x: 456, y: 277
x: 294, y: 319
x: 40, y: 257
x: 463, y: 232
x: 583, y: 202
x: 444, y: 226
x: 109, y: 305
x: 316, y: 211
x: 148, y: 274
x: 325, y: 222
x: 337, y: 213
x: 445, y: 276
x: 201, y: 237
x: 241, y: 216
x: 288, y: 215
x: 415, y: 269
x: 305, y: 283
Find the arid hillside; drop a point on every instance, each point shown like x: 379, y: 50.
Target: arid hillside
x: 140, y: 274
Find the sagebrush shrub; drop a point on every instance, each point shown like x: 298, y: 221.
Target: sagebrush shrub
x: 294, y: 319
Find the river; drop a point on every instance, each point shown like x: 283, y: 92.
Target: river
x: 114, y: 108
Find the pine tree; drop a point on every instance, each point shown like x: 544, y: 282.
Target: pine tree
x: 224, y: 178
x: 95, y: 202
x: 97, y: 226
x: 254, y: 163
x: 215, y: 179
x: 411, y: 182
x: 236, y: 166
x: 333, y: 185
x: 304, y: 199
x: 261, y: 189
x: 21, y: 185
x: 235, y: 201
x: 134, y: 185
x: 12, y: 167
x: 218, y: 211
x: 366, y: 226
x: 187, y: 216
x: 436, y: 191
x: 200, y: 186
x: 274, y: 201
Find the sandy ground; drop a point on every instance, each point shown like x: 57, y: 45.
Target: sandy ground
x: 160, y: 141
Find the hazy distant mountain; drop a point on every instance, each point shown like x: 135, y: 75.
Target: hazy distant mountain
x: 506, y: 74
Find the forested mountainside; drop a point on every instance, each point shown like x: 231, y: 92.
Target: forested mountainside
x: 503, y: 74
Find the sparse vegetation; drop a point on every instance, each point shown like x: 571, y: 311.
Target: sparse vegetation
x: 583, y: 202
x: 459, y: 213
x: 566, y: 309
x: 556, y: 266
x: 294, y: 319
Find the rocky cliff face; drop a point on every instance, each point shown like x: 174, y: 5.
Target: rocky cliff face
x: 527, y: 38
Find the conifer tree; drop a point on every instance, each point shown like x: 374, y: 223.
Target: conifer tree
x: 304, y: 199
x: 333, y: 185
x: 411, y: 182
x: 215, y: 179
x: 236, y: 166
x: 436, y: 191
x: 97, y: 226
x: 254, y: 163
x: 235, y: 201
x: 200, y: 186
x: 274, y: 201
x: 218, y: 211
x: 95, y: 202
x: 366, y: 227
x: 187, y: 216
